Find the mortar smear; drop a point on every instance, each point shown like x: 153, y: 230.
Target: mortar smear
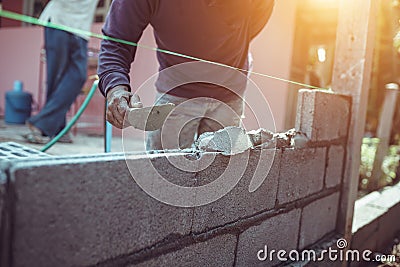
x: 229, y: 141
x: 234, y: 140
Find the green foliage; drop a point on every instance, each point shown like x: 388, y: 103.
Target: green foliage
x: 389, y: 165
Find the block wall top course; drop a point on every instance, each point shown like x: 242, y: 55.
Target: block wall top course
x: 374, y: 219
x: 374, y: 205
x: 15, y: 151
x: 323, y: 115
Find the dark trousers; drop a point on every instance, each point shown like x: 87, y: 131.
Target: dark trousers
x: 66, y: 59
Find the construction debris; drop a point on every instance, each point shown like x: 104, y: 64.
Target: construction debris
x: 230, y: 141
x: 260, y: 136
x: 234, y: 140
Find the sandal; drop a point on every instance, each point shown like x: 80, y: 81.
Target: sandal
x: 36, y: 138
x: 66, y: 139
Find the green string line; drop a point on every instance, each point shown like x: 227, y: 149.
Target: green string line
x: 35, y: 21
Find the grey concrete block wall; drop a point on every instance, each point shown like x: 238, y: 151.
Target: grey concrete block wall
x: 334, y: 168
x: 4, y: 237
x: 71, y: 214
x: 311, y: 229
x: 302, y: 172
x: 375, y: 217
x: 389, y: 200
x: 239, y: 202
x: 13, y: 151
x: 3, y: 181
x: 321, y: 115
x: 82, y: 211
x: 277, y: 233
x: 85, y: 211
x: 366, y: 232
x: 218, y: 251
x: 389, y: 226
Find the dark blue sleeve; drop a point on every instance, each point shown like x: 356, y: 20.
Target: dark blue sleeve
x: 126, y: 20
x: 261, y: 12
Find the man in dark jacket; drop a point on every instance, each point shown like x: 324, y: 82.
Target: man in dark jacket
x: 214, y: 30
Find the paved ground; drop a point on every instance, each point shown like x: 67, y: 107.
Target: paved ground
x: 83, y: 144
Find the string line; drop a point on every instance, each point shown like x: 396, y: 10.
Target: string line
x: 35, y: 21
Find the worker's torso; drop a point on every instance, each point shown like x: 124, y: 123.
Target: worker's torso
x: 211, y: 30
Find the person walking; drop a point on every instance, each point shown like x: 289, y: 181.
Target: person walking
x: 66, y: 60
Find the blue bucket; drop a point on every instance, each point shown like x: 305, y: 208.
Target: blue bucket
x: 18, y: 106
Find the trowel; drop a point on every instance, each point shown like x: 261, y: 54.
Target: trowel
x: 149, y: 118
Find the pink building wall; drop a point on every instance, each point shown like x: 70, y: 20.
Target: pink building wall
x: 20, y: 59
x: 20, y: 54
x: 14, y: 6
x: 272, y: 53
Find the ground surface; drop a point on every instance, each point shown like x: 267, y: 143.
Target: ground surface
x: 82, y: 143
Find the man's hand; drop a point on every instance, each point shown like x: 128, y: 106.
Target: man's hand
x: 119, y: 100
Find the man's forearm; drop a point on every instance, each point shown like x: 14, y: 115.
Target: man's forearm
x: 126, y: 20
x: 114, y: 65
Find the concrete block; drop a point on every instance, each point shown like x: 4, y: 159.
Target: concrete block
x: 302, y: 173
x: 363, y: 234
x: 335, y: 166
x: 365, y: 200
x: 397, y: 186
x: 388, y: 197
x: 3, y: 180
x: 390, y: 201
x: 81, y: 211
x: 239, y: 202
x: 364, y: 215
x: 389, y: 226
x: 318, y: 219
x: 375, y: 215
x: 322, y: 115
x: 277, y: 233
x: 5, y: 216
x: 219, y: 251
x: 15, y: 151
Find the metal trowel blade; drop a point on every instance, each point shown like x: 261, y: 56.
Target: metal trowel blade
x: 149, y: 118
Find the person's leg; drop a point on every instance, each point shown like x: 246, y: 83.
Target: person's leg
x: 181, y: 126
x: 56, y: 57
x: 221, y: 115
x: 51, y: 119
x: 57, y: 60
